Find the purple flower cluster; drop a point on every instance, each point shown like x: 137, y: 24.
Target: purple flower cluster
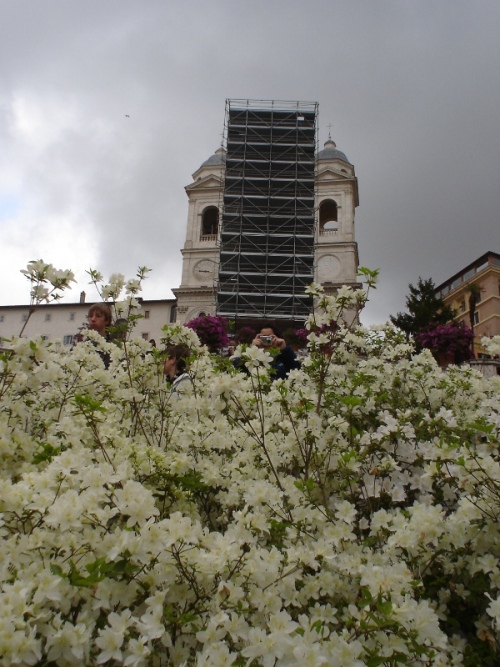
x: 211, y: 330
x: 301, y: 335
x: 453, y: 337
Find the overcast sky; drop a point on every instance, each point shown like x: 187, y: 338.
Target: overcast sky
x: 107, y: 108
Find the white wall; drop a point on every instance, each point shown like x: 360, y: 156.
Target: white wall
x: 64, y: 319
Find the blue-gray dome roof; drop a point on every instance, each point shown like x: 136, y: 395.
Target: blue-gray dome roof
x: 330, y: 152
x: 217, y: 159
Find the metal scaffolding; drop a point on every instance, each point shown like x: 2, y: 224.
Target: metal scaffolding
x: 267, y: 233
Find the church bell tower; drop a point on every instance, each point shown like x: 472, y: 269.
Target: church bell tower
x: 201, y: 253
x: 262, y: 241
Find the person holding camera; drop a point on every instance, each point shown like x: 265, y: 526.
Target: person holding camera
x: 268, y: 338
x: 286, y: 359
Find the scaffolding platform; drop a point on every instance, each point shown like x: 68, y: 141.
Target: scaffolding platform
x: 267, y: 231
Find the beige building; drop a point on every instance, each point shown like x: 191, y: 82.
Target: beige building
x: 485, y: 273
x: 336, y: 251
x: 61, y: 321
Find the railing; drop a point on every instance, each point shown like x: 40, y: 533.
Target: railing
x: 208, y: 237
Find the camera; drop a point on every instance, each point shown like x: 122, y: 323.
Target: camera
x: 266, y: 340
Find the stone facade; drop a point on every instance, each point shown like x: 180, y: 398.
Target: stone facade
x: 336, y: 250
x: 200, y: 254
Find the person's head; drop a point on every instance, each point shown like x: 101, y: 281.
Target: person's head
x: 99, y: 317
x: 175, y: 359
x: 267, y: 334
x: 269, y: 329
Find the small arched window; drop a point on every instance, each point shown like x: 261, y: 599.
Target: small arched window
x: 210, y: 221
x: 328, y: 216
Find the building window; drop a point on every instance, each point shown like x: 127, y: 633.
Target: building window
x: 202, y: 314
x: 173, y: 314
x: 1, y: 318
x: 48, y: 317
x: 209, y: 223
x: 328, y: 217
x: 146, y: 314
x: 67, y: 340
x: 476, y: 317
x: 462, y: 306
x: 71, y: 317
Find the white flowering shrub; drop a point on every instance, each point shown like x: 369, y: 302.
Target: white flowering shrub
x: 46, y: 284
x: 492, y: 345
x: 345, y: 516
x: 122, y: 297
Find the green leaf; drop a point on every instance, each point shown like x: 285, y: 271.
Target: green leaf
x: 385, y: 608
x: 87, y: 404
x: 482, y: 426
x: 351, y: 401
x: 46, y: 453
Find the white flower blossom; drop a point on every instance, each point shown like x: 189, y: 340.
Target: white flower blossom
x: 109, y: 643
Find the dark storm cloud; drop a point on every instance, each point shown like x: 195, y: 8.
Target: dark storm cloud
x: 108, y: 108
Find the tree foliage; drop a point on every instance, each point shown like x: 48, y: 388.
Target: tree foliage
x: 425, y: 309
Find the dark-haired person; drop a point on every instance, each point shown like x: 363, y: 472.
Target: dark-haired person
x: 286, y: 359
x: 99, y: 318
x: 174, y: 367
